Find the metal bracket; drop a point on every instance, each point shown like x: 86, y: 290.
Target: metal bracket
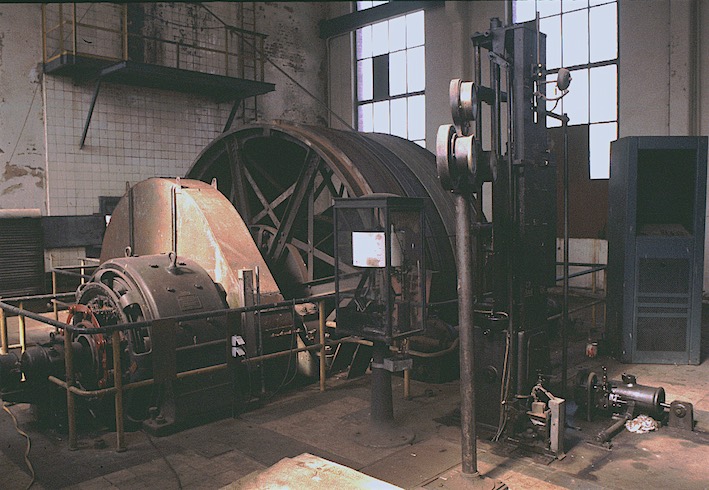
x: 394, y: 364
x: 91, y: 112
x: 232, y: 114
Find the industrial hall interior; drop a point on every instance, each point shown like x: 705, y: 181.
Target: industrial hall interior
x: 354, y: 245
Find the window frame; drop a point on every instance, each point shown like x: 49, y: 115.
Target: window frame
x: 594, y: 174
x: 377, y: 97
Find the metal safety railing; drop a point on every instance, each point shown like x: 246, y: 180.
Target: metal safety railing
x: 119, y: 388
x: 593, y: 269
x: 135, y: 32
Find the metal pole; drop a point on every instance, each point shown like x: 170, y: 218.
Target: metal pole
x: 55, y: 306
x: 565, y: 304
x: 73, y: 34
x: 382, y: 405
x: 226, y: 52
x: 61, y: 30
x: 69, y: 366
x: 321, y: 318
x: 23, y: 336
x: 466, y: 335
x: 118, y: 384
x: 407, y: 384
x: 593, y: 282
x: 125, y: 32
x: 44, y: 33
x: 92, y: 105
x: 3, y: 332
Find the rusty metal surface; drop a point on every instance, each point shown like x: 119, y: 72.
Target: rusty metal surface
x: 209, y: 231
x: 282, y: 178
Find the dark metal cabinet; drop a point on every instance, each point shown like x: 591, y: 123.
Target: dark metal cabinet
x: 657, y: 206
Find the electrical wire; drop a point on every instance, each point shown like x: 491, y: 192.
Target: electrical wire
x: 291, y: 360
x: 19, y: 137
x: 552, y: 99
x: 167, y: 462
x: 27, y: 449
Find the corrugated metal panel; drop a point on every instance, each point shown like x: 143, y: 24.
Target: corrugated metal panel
x: 21, y: 254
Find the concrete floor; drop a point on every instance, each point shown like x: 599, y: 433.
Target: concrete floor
x: 230, y: 452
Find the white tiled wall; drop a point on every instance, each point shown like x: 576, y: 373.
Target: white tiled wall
x: 135, y: 133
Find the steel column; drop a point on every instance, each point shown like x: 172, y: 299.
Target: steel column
x: 466, y: 334
x: 565, y: 301
x: 3, y: 332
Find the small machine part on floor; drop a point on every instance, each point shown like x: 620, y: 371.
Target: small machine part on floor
x: 624, y: 400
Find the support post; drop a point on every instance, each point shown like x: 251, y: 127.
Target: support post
x: 226, y: 52
x: 55, y: 307
x: 467, y: 335
x: 321, y: 329
x: 565, y: 302
x: 23, y: 329
x: 69, y: 367
x: 407, y: 384
x: 382, y: 407
x: 118, y: 384
x: 44, y: 32
x: 73, y: 30
x: 232, y: 114
x: 91, y: 113
x: 3, y: 332
x: 125, y: 32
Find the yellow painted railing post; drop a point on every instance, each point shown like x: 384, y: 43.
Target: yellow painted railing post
x: 3, y: 332
x: 55, y: 307
x: 69, y: 367
x: 321, y: 318
x: 118, y: 383
x: 407, y: 384
x: 21, y: 320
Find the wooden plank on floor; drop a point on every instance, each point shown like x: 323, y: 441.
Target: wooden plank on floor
x: 311, y: 472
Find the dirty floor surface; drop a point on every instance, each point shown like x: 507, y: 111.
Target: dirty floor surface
x: 327, y: 424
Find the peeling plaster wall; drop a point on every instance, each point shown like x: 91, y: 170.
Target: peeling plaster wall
x: 294, y: 45
x: 22, y: 162
x: 135, y: 133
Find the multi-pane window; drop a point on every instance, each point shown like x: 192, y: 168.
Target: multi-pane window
x: 582, y: 35
x: 391, y: 76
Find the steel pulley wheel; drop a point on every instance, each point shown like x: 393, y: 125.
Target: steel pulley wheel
x: 282, y: 178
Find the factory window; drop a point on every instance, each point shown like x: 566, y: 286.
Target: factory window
x: 391, y: 76
x: 582, y: 35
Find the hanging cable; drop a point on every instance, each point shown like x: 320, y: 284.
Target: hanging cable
x: 164, y: 458
x: 22, y: 130
x: 28, y: 447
